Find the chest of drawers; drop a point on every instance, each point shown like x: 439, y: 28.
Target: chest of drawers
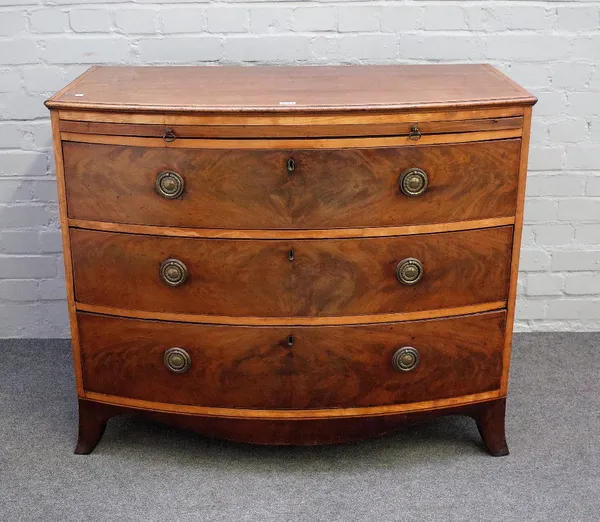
x: 291, y: 255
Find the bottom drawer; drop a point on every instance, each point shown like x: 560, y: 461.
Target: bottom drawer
x: 292, y: 367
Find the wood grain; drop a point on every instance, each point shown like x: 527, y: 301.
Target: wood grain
x: 315, y: 233
x: 351, y: 366
x: 490, y: 423
x: 252, y: 189
x: 516, y: 246
x: 274, y: 430
x: 434, y: 313
x: 325, y: 367
x: 292, y: 143
x: 303, y: 119
x: 68, y: 263
x: 341, y: 213
x: 326, y: 277
x: 290, y: 131
x: 290, y: 88
x: 93, y: 417
x: 293, y: 415
x: 234, y: 367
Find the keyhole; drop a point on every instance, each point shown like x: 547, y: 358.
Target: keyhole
x: 291, y: 254
x: 291, y: 165
x: 290, y: 340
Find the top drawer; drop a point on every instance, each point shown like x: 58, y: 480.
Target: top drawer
x: 291, y: 189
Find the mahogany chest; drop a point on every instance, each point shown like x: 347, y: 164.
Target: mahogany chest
x: 292, y: 255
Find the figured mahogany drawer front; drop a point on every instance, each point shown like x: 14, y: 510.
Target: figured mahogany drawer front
x: 295, y: 367
x: 281, y: 278
x: 291, y: 189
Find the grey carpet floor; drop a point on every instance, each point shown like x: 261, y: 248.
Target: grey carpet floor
x: 142, y: 471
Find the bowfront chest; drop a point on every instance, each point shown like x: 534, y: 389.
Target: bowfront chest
x: 292, y: 255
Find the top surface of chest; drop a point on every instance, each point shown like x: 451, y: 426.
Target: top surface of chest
x: 285, y: 89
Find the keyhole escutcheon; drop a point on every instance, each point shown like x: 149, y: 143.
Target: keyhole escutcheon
x: 291, y: 165
x: 291, y: 254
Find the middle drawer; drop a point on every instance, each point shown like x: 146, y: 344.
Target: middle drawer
x: 282, y: 278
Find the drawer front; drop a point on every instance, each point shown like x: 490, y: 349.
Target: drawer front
x: 276, y: 278
x: 230, y: 367
x: 261, y: 189
x: 296, y: 367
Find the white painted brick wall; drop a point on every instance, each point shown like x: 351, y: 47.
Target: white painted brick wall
x: 551, y: 47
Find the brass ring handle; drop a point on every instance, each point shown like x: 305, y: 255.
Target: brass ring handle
x: 415, y: 133
x: 169, y: 184
x: 177, y: 360
x: 173, y: 272
x: 169, y: 135
x: 409, y: 271
x: 405, y: 359
x: 413, y: 182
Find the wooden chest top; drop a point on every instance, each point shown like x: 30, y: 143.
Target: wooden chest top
x: 307, y: 88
